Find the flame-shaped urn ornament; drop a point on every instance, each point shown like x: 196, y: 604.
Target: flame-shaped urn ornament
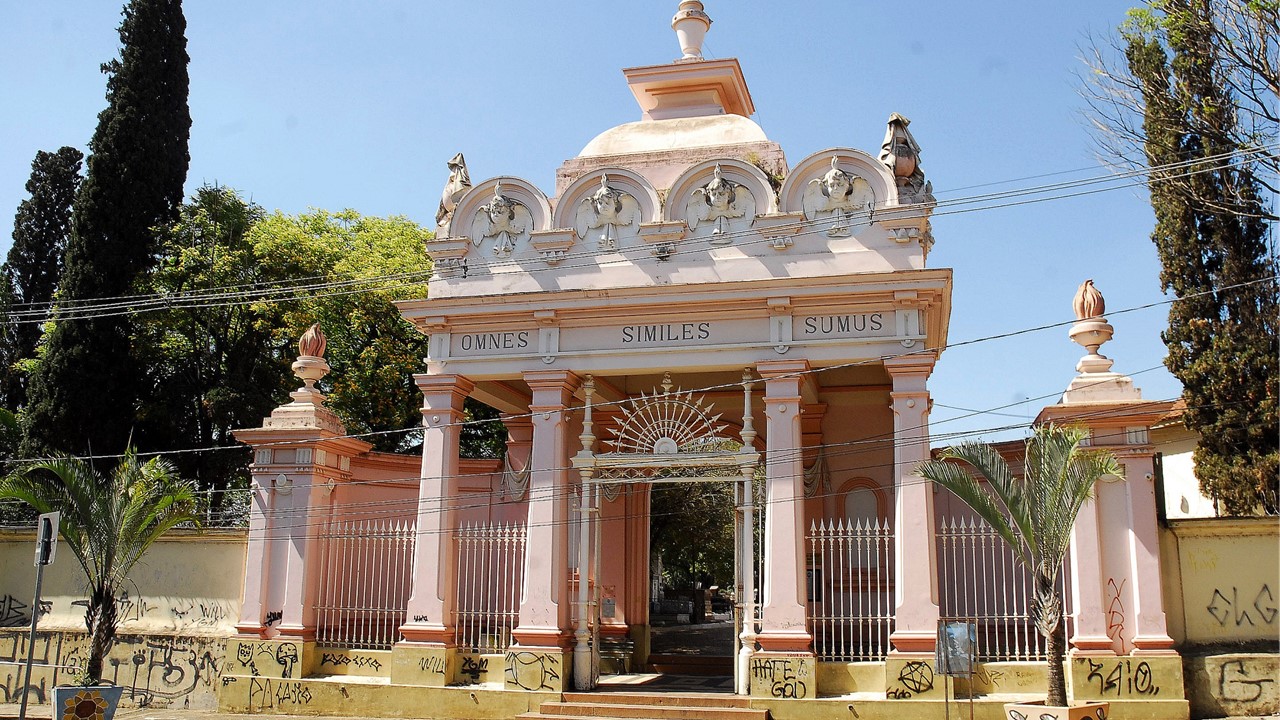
x: 1091, y: 329
x: 310, y: 367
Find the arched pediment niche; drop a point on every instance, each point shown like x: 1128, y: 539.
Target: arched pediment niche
x: 498, y: 216
x: 605, y: 209
x: 838, y: 190
x: 719, y: 200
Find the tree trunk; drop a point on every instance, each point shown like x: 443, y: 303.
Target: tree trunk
x: 1057, y: 695
x: 100, y: 619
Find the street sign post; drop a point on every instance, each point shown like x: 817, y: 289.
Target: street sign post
x: 46, y: 547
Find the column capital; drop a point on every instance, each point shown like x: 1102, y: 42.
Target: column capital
x: 774, y: 369
x: 438, y: 384
x: 562, y: 380
x: 912, y: 364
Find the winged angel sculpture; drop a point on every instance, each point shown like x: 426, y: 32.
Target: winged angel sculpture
x: 505, y: 219
x: 719, y: 202
x: 609, y: 210
x: 838, y: 195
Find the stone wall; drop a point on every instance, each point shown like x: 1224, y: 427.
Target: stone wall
x: 177, y: 611
x: 1222, y: 597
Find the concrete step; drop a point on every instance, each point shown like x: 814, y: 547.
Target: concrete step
x: 717, y: 700
x: 580, y: 711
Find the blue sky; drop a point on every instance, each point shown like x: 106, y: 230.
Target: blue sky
x: 335, y: 104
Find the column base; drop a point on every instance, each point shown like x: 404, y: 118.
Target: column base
x: 427, y: 633
x: 531, y: 638
x: 1153, y: 645
x: 297, y: 633
x: 913, y: 642
x: 1092, y: 645
x: 784, y: 642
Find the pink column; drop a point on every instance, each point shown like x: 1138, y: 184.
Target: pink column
x: 429, y: 616
x: 544, y: 610
x: 1151, y: 636
x: 782, y: 626
x: 915, y: 558
x: 1090, y: 635
x: 253, y: 606
x: 301, y: 517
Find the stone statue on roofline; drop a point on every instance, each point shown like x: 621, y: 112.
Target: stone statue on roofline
x: 718, y: 203
x: 504, y: 219
x: 457, y: 185
x: 609, y: 210
x: 901, y: 154
x: 838, y: 196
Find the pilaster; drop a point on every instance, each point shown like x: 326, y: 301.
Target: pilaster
x: 915, y: 555
x: 429, y: 615
x: 544, y: 610
x: 783, y: 617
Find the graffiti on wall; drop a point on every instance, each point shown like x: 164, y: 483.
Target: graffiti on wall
x: 1241, y: 607
x: 532, y: 671
x: 785, y: 677
x: 155, y: 670
x: 1122, y: 678
x: 1115, y: 612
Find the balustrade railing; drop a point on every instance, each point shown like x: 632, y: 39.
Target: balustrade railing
x: 368, y: 570
x: 980, y: 579
x: 850, y: 589
x: 490, y: 576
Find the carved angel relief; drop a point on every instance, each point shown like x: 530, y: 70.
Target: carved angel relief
x: 504, y: 219
x: 838, y: 196
x: 608, y: 210
x: 720, y: 203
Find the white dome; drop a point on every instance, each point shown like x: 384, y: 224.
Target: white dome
x: 646, y: 136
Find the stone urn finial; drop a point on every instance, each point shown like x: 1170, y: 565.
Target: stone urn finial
x: 1091, y: 329
x: 691, y: 24
x: 1089, y: 302
x: 310, y: 366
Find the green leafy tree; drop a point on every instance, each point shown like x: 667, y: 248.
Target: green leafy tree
x: 360, y: 266
x: 1033, y: 514
x: 1211, y: 235
x: 212, y: 362
x: 31, y: 270
x: 108, y: 523
x: 691, y: 529
x: 84, y: 393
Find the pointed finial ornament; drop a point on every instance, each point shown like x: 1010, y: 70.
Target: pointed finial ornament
x: 310, y: 367
x: 1089, y: 302
x: 691, y: 24
x: 313, y: 342
x: 1091, y: 329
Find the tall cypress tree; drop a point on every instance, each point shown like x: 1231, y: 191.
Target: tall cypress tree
x: 85, y: 391
x: 1211, y: 237
x: 30, y: 274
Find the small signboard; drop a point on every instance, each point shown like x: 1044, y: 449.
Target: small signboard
x: 955, y: 651
x: 47, y: 537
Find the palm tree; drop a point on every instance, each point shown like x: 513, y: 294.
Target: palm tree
x: 108, y: 523
x: 1033, y: 514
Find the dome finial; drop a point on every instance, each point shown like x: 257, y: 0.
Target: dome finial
x: 691, y: 24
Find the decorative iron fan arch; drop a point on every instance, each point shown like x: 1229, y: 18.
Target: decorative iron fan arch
x: 670, y: 435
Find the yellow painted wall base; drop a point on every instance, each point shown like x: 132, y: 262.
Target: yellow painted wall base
x: 370, y: 697
x: 1234, y: 684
